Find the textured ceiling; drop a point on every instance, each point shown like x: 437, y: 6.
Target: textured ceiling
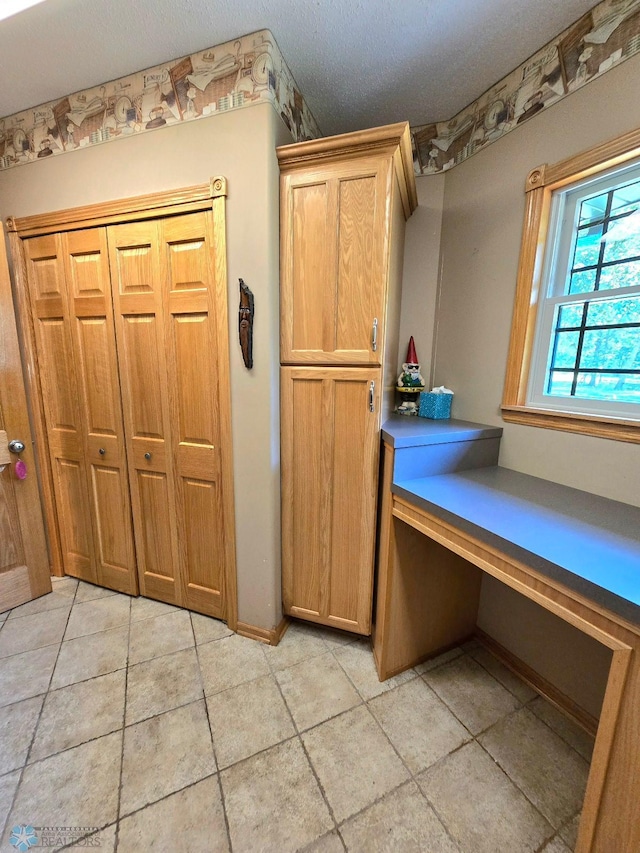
x: 359, y: 63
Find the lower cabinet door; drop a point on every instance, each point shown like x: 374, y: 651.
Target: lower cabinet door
x: 330, y: 450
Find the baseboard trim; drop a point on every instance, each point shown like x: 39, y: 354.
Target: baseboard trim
x: 540, y: 684
x: 263, y: 635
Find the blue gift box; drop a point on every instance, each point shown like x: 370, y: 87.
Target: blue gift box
x: 435, y: 406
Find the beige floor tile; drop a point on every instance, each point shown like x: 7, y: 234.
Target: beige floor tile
x: 4, y: 616
x: 418, y: 724
x: 51, y: 601
x: 400, y: 821
x: 335, y: 637
x: 501, y: 673
x: 569, y: 731
x: 17, y: 725
x: 439, y: 660
x: 90, y: 656
x: 26, y: 675
x: 65, y: 586
x: 248, y: 719
x: 159, y: 635
x: 207, y: 629
x: 551, y: 774
x: 474, y: 696
x: 107, y: 839
x: 164, y: 754
x: 92, y: 617
x: 146, y: 608
x: 33, y: 632
x: 91, y: 592
x: 357, y: 661
x: 315, y: 690
x: 231, y: 661
x: 8, y: 785
x: 273, y: 801
x: 162, y: 684
x: 557, y: 845
x: 79, y: 713
x: 354, y: 761
x: 569, y: 832
x: 191, y: 820
x: 298, y: 644
x: 482, y: 809
x: 78, y: 787
x: 329, y: 843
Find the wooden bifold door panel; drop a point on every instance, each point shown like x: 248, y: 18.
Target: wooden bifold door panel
x: 73, y: 321
x: 130, y: 333
x: 168, y: 329
x: 329, y: 492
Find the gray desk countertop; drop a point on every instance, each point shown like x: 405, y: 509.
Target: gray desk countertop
x: 405, y: 431
x: 588, y: 543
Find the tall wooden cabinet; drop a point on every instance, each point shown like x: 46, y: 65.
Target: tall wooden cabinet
x: 128, y: 326
x: 344, y: 202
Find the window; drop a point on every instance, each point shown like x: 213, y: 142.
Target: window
x: 574, y: 360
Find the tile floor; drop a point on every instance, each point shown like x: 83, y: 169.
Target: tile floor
x: 163, y: 731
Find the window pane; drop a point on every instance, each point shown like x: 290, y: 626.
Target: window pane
x: 617, y: 387
x: 566, y: 349
x: 587, y: 251
x: 626, y: 199
x: 610, y: 349
x: 619, y: 275
x: 583, y: 282
x: 618, y: 246
x: 570, y: 315
x: 560, y: 384
x: 614, y: 311
x: 593, y: 208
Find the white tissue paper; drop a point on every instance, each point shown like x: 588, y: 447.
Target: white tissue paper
x: 441, y: 390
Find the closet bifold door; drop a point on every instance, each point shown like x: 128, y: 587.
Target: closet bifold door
x: 59, y: 392
x: 86, y: 261
x: 168, y: 287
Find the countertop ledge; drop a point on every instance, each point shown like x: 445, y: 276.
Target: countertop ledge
x: 406, y: 431
x: 587, y: 542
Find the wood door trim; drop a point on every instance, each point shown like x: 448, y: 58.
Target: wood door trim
x: 165, y: 203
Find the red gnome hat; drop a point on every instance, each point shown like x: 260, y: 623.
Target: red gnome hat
x: 412, y: 357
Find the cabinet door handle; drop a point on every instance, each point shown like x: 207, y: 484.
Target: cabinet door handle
x: 374, y: 335
x: 372, y: 389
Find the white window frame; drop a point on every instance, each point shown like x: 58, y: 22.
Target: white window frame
x: 563, y: 224
x: 521, y: 402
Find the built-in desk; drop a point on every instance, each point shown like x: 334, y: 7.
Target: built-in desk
x: 449, y: 514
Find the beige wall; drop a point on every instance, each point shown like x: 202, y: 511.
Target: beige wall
x: 241, y: 146
x: 481, y: 232
x: 421, y: 272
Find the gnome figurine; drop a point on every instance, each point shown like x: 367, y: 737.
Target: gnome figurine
x: 410, y: 382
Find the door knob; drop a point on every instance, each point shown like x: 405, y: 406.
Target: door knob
x: 16, y: 446
x: 147, y: 455
x: 102, y: 451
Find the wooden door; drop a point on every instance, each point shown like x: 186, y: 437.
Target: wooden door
x: 88, y: 289
x: 334, y: 262
x: 45, y: 273
x: 24, y: 562
x: 329, y: 490
x: 169, y: 285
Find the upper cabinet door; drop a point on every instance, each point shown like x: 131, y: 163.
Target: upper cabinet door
x: 335, y: 224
